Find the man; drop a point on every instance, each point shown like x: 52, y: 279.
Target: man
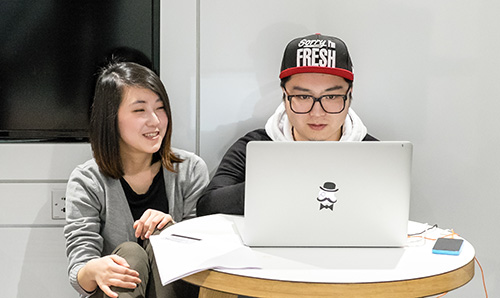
x: 317, y: 82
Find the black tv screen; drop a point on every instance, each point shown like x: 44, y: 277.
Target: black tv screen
x: 50, y: 52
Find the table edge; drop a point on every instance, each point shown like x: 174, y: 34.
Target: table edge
x: 259, y: 287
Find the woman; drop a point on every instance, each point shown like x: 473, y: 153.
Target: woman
x: 135, y: 183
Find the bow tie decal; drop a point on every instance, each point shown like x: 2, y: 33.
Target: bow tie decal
x: 321, y: 206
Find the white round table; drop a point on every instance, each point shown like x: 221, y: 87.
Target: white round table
x: 344, y: 272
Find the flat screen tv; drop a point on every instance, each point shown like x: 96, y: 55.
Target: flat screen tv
x: 50, y: 52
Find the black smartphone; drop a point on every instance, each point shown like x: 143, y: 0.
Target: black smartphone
x: 448, y: 246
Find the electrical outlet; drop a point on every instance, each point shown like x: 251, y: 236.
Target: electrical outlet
x: 58, y: 204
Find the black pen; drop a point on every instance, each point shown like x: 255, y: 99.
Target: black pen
x: 186, y: 237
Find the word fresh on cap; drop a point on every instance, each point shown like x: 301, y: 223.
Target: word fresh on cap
x: 317, y: 54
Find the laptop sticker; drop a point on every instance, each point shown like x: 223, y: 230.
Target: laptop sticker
x: 326, y: 196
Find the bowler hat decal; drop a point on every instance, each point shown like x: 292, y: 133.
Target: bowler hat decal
x: 326, y: 196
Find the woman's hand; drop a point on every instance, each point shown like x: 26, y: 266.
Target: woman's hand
x: 105, y: 272
x: 150, y: 220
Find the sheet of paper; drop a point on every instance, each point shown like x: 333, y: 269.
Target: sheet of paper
x: 208, y: 242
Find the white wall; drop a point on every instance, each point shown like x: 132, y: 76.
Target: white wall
x: 32, y: 253
x: 425, y: 71
x: 178, y: 67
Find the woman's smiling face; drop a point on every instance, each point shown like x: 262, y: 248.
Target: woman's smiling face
x: 142, y: 121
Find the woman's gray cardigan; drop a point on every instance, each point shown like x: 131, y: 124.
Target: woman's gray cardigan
x: 98, y: 215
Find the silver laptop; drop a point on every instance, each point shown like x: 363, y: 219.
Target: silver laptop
x: 346, y: 194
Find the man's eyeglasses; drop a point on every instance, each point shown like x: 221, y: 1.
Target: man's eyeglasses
x: 330, y: 103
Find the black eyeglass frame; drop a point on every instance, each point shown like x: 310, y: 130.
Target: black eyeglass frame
x: 317, y: 99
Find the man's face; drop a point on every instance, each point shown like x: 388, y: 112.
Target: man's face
x: 317, y: 125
